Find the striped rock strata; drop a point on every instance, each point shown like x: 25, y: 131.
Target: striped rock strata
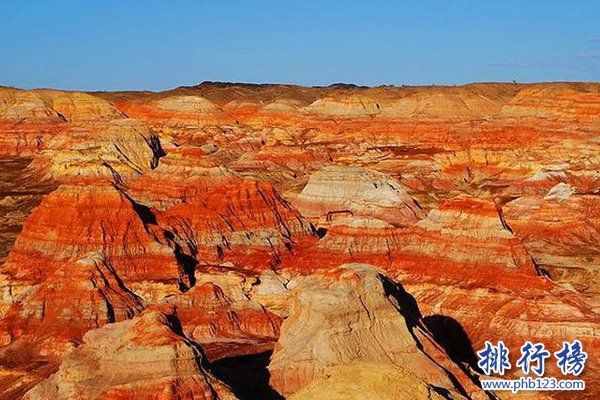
x: 143, y: 358
x: 479, y: 199
x: 352, y: 317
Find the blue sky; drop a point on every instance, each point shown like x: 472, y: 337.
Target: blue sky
x: 155, y: 45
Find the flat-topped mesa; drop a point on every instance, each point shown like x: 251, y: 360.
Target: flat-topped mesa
x: 186, y: 104
x: 174, y: 110
x: 451, y: 103
x: 380, y: 326
x: 350, y: 106
x: 429, y: 103
x: 144, y: 358
x: 78, y: 107
x: 346, y: 190
x: 283, y: 106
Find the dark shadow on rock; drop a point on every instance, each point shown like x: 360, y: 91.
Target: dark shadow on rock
x: 444, y: 393
x: 446, y: 331
x: 157, y: 150
x: 187, y: 263
x: 406, y: 302
x: 187, y: 268
x: 175, y: 324
x: 143, y: 212
x: 321, y: 232
x: 451, y: 335
x: 408, y: 307
x: 247, y: 376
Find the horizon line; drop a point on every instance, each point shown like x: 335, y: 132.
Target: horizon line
x: 334, y: 85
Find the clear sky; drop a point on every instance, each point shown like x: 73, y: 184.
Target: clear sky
x: 147, y: 44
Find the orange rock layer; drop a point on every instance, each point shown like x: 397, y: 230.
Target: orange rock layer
x: 304, y: 234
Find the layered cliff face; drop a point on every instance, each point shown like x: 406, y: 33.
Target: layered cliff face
x: 20, y: 192
x: 143, y: 358
x: 379, y: 326
x: 244, y: 241
x: 355, y: 191
x: 31, y: 119
x: 562, y: 102
x: 561, y: 232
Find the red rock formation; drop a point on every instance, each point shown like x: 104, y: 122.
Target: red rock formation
x: 142, y: 358
x: 86, y: 241
x: 93, y: 240
x: 461, y: 262
x: 339, y: 190
x: 225, y: 326
x: 562, y: 102
x: 562, y: 235
x: 355, y: 316
x: 30, y: 120
x: 237, y: 204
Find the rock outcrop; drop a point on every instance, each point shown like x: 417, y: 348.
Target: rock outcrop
x: 53, y: 106
x: 341, y: 190
x: 565, y: 102
x: 561, y: 233
x: 79, y: 108
x: 226, y: 322
x: 22, y: 106
x: 142, y: 358
x: 354, y: 317
x: 70, y: 268
x: 195, y: 104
